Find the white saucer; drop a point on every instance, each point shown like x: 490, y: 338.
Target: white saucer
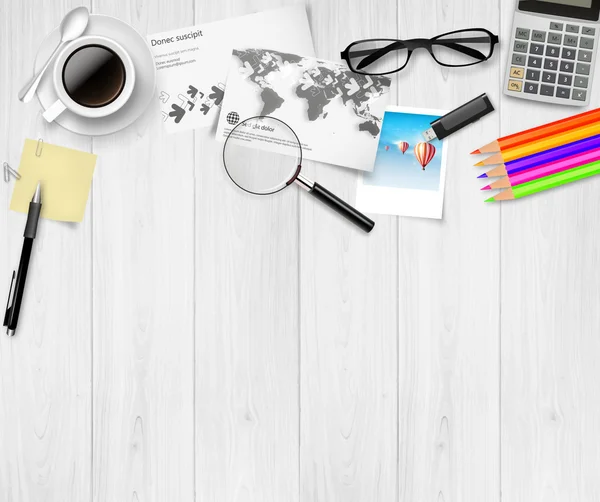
x: 145, y: 78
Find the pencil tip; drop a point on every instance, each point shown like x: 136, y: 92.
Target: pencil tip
x: 475, y: 152
x: 491, y: 199
x: 487, y: 187
x: 479, y: 164
x: 484, y: 175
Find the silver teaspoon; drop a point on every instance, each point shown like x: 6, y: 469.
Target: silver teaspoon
x: 72, y: 26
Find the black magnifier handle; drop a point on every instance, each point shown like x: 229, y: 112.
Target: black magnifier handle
x: 342, y: 207
x: 337, y: 204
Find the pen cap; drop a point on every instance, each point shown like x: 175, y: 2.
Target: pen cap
x: 32, y: 220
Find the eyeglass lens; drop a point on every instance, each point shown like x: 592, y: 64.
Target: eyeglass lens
x: 462, y: 49
x: 378, y: 56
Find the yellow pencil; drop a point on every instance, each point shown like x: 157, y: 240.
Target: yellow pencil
x: 544, y: 144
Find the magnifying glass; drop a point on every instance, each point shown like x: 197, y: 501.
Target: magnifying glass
x: 263, y: 155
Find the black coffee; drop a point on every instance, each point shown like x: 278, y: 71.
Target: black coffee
x: 93, y: 76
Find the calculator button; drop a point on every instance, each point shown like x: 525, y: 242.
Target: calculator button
x: 520, y: 46
x: 586, y: 43
x: 515, y: 85
x: 565, y: 79
x: 547, y: 90
x: 579, y: 95
x: 552, y: 51
x: 581, y: 81
x: 582, y: 69
x: 516, y: 72
x: 556, y: 26
x: 536, y: 49
x: 563, y: 92
x: 555, y: 38
x: 586, y: 30
x: 568, y: 53
x: 585, y: 56
x: 566, y: 66
x: 534, y: 62
x: 550, y: 64
x: 522, y: 33
x: 538, y: 36
x: 518, y: 59
x: 549, y: 77
x: 571, y: 40
x: 531, y: 87
x: 572, y: 28
x: 532, y: 75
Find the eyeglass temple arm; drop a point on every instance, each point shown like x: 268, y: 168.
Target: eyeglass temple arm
x: 375, y: 54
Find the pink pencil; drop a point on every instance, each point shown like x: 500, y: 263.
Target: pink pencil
x: 545, y: 170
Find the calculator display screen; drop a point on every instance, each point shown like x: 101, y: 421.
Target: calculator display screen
x: 573, y: 3
x: 587, y: 10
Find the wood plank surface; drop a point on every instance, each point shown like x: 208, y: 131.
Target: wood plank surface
x: 188, y: 341
x: 348, y: 304
x: 45, y: 369
x: 246, y: 325
x: 143, y: 271
x: 550, y: 324
x: 448, y: 287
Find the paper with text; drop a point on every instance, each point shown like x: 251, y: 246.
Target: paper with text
x: 192, y: 63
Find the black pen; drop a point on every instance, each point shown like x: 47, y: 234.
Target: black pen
x: 13, y: 307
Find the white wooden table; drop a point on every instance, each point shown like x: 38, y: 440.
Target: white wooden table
x: 190, y: 342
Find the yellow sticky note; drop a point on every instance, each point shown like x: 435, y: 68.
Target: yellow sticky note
x: 65, y: 175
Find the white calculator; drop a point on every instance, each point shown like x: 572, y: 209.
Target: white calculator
x: 553, y: 51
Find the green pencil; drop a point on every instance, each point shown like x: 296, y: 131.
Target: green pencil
x: 548, y: 182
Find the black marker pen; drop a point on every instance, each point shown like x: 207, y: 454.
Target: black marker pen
x: 15, y: 296
x: 459, y: 118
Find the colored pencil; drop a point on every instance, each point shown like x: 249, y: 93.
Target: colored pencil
x: 548, y: 182
x: 542, y: 144
x: 540, y: 132
x: 541, y: 158
x: 545, y: 170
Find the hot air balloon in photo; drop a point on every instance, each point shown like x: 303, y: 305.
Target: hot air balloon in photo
x: 424, y: 152
x: 402, y: 146
x: 387, y: 147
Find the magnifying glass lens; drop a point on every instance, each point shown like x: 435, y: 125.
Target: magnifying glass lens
x: 262, y: 155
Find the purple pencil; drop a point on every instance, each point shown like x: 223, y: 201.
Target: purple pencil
x: 537, y: 159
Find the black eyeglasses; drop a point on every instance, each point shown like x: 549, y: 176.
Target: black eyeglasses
x: 381, y: 56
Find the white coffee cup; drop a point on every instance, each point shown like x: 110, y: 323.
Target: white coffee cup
x: 65, y: 102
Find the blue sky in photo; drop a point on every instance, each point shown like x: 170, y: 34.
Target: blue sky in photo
x: 392, y: 168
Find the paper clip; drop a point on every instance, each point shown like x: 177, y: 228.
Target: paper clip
x: 8, y: 171
x: 39, y: 147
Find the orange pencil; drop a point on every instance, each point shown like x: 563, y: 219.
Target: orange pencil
x: 540, y: 132
x: 540, y: 145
